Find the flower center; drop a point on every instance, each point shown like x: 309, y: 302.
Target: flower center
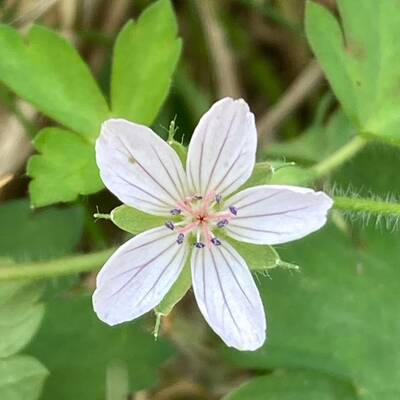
x: 199, y: 217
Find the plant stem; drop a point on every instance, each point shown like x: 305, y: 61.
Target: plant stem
x: 339, y: 157
x: 374, y: 207
x: 53, y: 268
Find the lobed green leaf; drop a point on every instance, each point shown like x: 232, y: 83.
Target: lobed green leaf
x: 46, y: 70
x: 64, y: 169
x: 360, y: 59
x: 145, y: 56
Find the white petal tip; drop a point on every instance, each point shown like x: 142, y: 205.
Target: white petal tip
x: 102, y: 311
x: 253, y: 345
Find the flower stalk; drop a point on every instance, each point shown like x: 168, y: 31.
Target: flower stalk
x: 339, y: 157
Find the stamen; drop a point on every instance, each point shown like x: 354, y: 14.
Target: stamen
x: 233, y: 210
x: 207, y: 202
x: 218, y: 198
x: 176, y: 211
x: 219, y: 217
x: 185, y: 207
x: 207, y: 234
x: 190, y: 227
x: 199, y: 245
x: 197, y: 197
x: 170, y: 225
x: 216, y: 241
x: 180, y: 238
x: 222, y: 223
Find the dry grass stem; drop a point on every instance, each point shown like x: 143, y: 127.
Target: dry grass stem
x: 221, y: 55
x: 309, y: 79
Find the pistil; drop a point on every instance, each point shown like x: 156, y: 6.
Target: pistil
x: 200, y: 218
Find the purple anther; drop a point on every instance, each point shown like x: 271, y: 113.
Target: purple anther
x: 180, y: 238
x: 222, y: 223
x: 176, y: 211
x: 233, y: 210
x: 218, y: 198
x: 216, y: 241
x: 199, y: 245
x: 170, y: 225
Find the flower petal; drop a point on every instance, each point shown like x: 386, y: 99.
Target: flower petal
x: 277, y: 214
x: 228, y: 297
x: 140, y: 168
x: 222, y: 151
x: 138, y: 275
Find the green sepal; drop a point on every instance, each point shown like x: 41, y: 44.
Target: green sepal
x: 131, y: 220
x: 258, y: 257
x: 262, y: 174
x: 180, y: 149
x: 292, y: 175
x: 176, y: 293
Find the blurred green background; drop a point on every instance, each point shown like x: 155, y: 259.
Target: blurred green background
x: 333, y: 326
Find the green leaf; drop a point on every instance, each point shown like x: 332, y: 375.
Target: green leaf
x: 360, y: 59
x: 340, y: 316
x: 90, y: 348
x: 64, y: 169
x: 46, y: 70
x: 294, y: 385
x: 21, y: 378
x: 258, y: 257
x: 20, y: 315
x: 134, y: 221
x: 27, y: 235
x: 145, y: 56
x: 176, y: 293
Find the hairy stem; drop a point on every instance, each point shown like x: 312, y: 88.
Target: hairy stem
x: 369, y: 206
x: 338, y: 158
x: 53, y: 268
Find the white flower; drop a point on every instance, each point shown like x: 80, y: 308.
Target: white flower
x: 144, y: 172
